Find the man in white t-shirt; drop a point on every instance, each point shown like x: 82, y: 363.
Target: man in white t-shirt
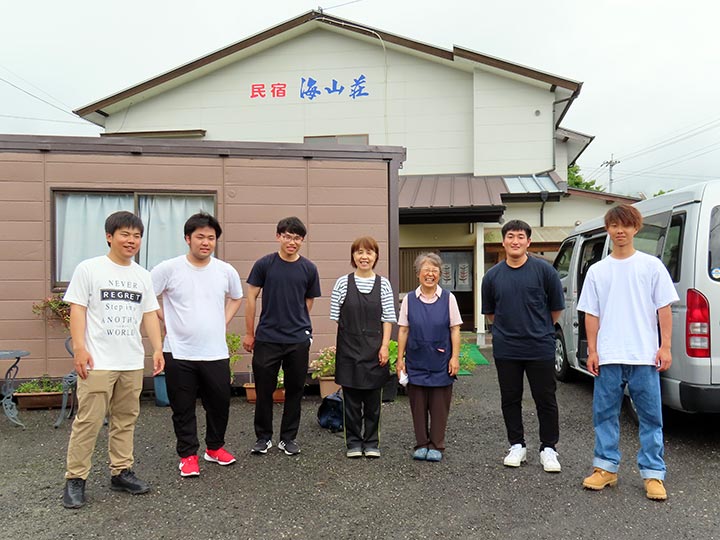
x: 626, y: 296
x: 110, y: 296
x: 200, y: 294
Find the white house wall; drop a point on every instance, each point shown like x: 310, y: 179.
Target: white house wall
x: 447, y: 235
x: 561, y: 159
x: 566, y: 213
x: 428, y: 108
x: 450, y: 119
x: 513, y: 126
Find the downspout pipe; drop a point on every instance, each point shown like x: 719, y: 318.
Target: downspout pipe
x: 543, y: 197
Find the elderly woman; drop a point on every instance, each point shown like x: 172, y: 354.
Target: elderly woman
x: 363, y: 306
x: 429, y: 348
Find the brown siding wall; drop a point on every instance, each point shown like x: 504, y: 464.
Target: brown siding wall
x: 338, y: 199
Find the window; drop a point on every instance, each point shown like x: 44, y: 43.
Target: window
x: 590, y: 253
x: 79, y: 226
x: 673, y: 246
x: 337, y: 139
x: 562, y: 261
x: 714, y: 244
x: 651, y: 238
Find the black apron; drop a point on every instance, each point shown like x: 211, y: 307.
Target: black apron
x: 359, y: 339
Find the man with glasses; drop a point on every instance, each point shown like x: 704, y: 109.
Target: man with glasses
x: 289, y: 283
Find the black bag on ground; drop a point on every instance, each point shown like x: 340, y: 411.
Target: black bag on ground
x: 330, y: 413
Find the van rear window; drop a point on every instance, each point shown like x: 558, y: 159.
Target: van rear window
x: 714, y: 245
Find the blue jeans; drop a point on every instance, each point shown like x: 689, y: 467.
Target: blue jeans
x: 644, y: 386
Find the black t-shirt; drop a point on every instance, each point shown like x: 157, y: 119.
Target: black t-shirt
x: 285, y: 286
x: 521, y: 300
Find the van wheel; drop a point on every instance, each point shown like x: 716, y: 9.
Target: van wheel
x: 563, y: 371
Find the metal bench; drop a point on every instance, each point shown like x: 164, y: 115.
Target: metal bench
x: 69, y: 390
x: 8, y: 387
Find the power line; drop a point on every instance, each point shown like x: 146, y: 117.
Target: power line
x: 678, y: 159
x: 45, y: 119
x: 712, y: 124
x: 36, y: 87
x: 37, y: 97
x: 624, y: 174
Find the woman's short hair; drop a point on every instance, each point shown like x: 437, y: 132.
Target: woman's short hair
x: 432, y: 258
x: 365, y: 242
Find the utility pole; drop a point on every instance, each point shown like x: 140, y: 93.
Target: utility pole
x: 610, y: 164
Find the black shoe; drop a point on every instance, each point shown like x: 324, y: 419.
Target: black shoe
x: 74, y: 493
x: 291, y: 448
x: 261, y: 446
x: 127, y: 481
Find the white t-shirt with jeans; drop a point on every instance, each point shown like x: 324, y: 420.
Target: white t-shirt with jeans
x: 116, y: 298
x: 194, y: 306
x: 625, y: 295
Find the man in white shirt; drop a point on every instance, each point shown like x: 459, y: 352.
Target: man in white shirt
x: 109, y: 297
x: 626, y: 296
x: 200, y: 295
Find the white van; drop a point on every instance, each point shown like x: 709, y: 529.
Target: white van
x: 682, y: 228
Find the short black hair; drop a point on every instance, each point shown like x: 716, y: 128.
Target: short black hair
x: 200, y: 221
x: 516, y: 225
x: 123, y: 220
x: 292, y: 225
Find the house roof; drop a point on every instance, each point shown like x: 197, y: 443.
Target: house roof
x: 460, y: 57
x: 457, y: 198
x: 577, y: 142
x: 609, y: 198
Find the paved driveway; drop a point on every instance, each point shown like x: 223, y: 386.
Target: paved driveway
x: 321, y: 494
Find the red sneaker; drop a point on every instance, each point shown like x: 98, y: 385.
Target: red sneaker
x: 219, y: 456
x: 189, y: 466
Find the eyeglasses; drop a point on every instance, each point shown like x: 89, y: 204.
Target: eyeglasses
x: 291, y: 237
x: 432, y: 270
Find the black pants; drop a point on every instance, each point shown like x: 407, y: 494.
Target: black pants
x: 267, y: 360
x: 361, y: 409
x: 188, y: 379
x: 541, y: 376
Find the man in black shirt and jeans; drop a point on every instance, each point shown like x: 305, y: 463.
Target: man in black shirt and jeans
x: 289, y: 283
x: 523, y: 298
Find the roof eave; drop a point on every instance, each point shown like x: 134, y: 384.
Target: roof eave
x: 464, y: 214
x: 90, y: 111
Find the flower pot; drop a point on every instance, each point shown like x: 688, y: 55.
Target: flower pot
x: 328, y: 386
x: 251, y: 394
x: 390, y: 390
x: 39, y: 400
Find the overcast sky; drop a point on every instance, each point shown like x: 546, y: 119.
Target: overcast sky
x: 650, y: 68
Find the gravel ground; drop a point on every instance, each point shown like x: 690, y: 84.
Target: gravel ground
x: 321, y: 494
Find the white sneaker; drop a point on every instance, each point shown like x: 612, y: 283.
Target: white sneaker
x: 549, y: 460
x: 516, y: 455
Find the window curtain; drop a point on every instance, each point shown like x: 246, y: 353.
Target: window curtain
x: 164, y: 217
x: 80, y: 227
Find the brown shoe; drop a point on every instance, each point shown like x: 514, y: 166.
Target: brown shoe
x: 599, y: 479
x: 655, y: 490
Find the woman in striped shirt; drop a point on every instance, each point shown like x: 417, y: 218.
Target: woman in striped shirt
x: 362, y: 303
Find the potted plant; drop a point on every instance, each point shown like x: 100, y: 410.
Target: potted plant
x: 390, y: 389
x: 234, y: 343
x: 278, y: 394
x: 323, y: 368
x: 43, y: 393
x: 53, y: 308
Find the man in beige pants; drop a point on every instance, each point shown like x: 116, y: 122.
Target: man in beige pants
x: 110, y: 296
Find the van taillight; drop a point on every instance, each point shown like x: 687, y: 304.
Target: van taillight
x: 697, y: 325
